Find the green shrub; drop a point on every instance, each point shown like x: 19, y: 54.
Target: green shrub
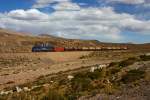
x: 112, y: 64
x: 81, y: 84
x: 145, y: 58
x: 132, y: 76
x: 114, y: 70
x: 53, y: 95
x: 127, y: 62
x: 95, y: 75
x: 72, y: 97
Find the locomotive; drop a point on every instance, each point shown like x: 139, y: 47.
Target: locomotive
x: 42, y: 48
x: 46, y: 48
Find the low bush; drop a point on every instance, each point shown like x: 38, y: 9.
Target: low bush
x: 112, y: 64
x: 81, y: 84
x: 145, y: 58
x: 127, y: 62
x: 132, y: 76
x: 97, y: 74
x: 53, y: 95
x: 114, y: 70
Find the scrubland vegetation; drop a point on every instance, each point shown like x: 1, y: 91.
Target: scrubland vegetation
x: 105, y: 80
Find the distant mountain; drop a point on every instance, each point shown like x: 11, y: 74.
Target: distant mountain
x: 11, y: 41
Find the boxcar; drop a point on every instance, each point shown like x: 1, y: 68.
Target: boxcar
x: 85, y: 48
x: 59, y: 49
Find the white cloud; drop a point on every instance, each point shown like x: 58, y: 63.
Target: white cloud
x: 66, y: 6
x: 31, y: 14
x: 128, y: 1
x: 90, y: 23
x: 45, y: 3
x: 136, y: 25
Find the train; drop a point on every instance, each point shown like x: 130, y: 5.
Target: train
x: 50, y: 48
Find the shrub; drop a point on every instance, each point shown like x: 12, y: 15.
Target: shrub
x: 132, y: 76
x: 108, y: 89
x: 127, y: 62
x: 112, y: 64
x: 81, y: 84
x: 145, y: 58
x: 95, y: 75
x: 114, y: 70
x: 72, y: 97
x: 53, y: 95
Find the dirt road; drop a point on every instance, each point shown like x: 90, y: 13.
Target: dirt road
x: 19, y: 68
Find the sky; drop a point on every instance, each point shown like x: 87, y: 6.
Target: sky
x: 103, y: 20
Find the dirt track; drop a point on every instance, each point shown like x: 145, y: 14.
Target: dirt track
x: 55, y: 56
x: 19, y: 68
x: 24, y: 67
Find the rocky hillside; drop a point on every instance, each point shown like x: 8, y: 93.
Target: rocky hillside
x: 20, y: 42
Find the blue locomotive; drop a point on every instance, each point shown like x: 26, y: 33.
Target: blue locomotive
x: 43, y: 48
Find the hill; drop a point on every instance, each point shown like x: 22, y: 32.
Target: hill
x: 22, y: 42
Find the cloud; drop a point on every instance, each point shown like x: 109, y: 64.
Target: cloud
x: 31, y: 14
x: 128, y: 1
x: 136, y: 25
x: 66, y: 6
x: 45, y: 3
x: 103, y: 24
x: 146, y: 4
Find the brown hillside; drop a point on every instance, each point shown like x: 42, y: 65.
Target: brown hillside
x: 18, y: 42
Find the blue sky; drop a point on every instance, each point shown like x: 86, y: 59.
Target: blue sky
x: 104, y: 20
x: 8, y: 5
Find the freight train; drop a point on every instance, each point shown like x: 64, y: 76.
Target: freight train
x: 50, y: 48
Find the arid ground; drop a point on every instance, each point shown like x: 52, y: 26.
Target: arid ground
x: 72, y: 75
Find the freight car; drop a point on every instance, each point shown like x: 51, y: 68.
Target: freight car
x: 59, y: 49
